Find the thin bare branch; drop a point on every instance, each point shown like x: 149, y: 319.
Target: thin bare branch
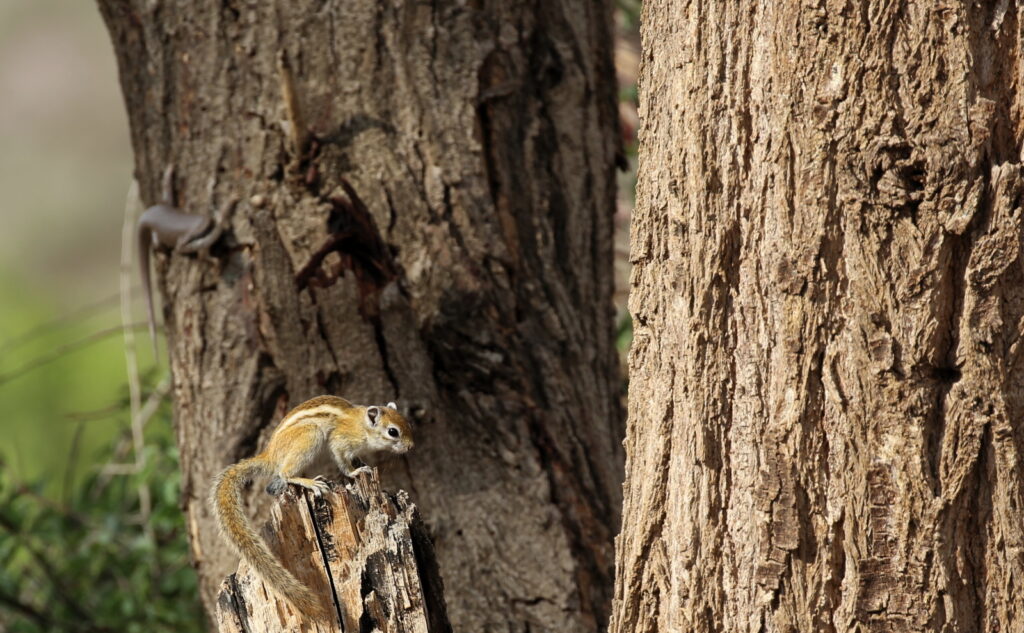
x: 131, y: 207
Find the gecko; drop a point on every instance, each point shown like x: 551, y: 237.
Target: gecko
x: 163, y: 224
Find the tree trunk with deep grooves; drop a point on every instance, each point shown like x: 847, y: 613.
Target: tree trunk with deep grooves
x: 825, y: 426
x: 427, y: 198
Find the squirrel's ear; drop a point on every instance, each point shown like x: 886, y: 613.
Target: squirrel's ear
x: 392, y: 405
x: 372, y: 415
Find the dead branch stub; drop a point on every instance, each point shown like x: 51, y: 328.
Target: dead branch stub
x: 366, y: 551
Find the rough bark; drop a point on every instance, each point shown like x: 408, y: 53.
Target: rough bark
x: 825, y: 418
x: 426, y: 217
x: 366, y: 552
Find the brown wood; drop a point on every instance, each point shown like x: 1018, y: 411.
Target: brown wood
x: 367, y: 552
x: 439, y: 236
x: 826, y: 418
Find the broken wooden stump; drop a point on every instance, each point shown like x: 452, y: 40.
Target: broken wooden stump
x: 365, y: 551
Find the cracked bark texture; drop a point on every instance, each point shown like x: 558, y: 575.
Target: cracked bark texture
x: 440, y: 235
x: 825, y: 406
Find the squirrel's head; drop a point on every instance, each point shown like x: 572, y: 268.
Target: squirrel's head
x: 387, y: 429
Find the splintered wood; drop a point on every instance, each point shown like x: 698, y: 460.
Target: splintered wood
x: 366, y: 552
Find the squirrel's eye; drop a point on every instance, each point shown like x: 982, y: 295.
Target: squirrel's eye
x: 393, y: 432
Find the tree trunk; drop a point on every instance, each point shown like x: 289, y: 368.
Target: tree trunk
x: 427, y: 197
x: 825, y: 427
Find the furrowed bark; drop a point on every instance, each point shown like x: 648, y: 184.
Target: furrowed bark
x: 825, y: 419
x: 441, y: 236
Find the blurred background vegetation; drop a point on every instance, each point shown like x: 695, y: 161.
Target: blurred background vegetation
x: 65, y: 162
x: 85, y: 544
x: 91, y: 537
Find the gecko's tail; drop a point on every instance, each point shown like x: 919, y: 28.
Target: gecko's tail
x: 227, y: 504
x: 147, y: 288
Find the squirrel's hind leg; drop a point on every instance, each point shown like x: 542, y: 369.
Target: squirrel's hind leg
x: 301, y: 446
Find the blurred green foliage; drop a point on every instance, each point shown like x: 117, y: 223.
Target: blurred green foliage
x: 91, y: 562
x: 73, y: 555
x: 65, y: 166
x: 61, y: 383
x: 629, y: 13
x: 624, y: 334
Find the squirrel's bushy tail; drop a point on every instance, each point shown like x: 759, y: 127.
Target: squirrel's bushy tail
x: 227, y: 504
